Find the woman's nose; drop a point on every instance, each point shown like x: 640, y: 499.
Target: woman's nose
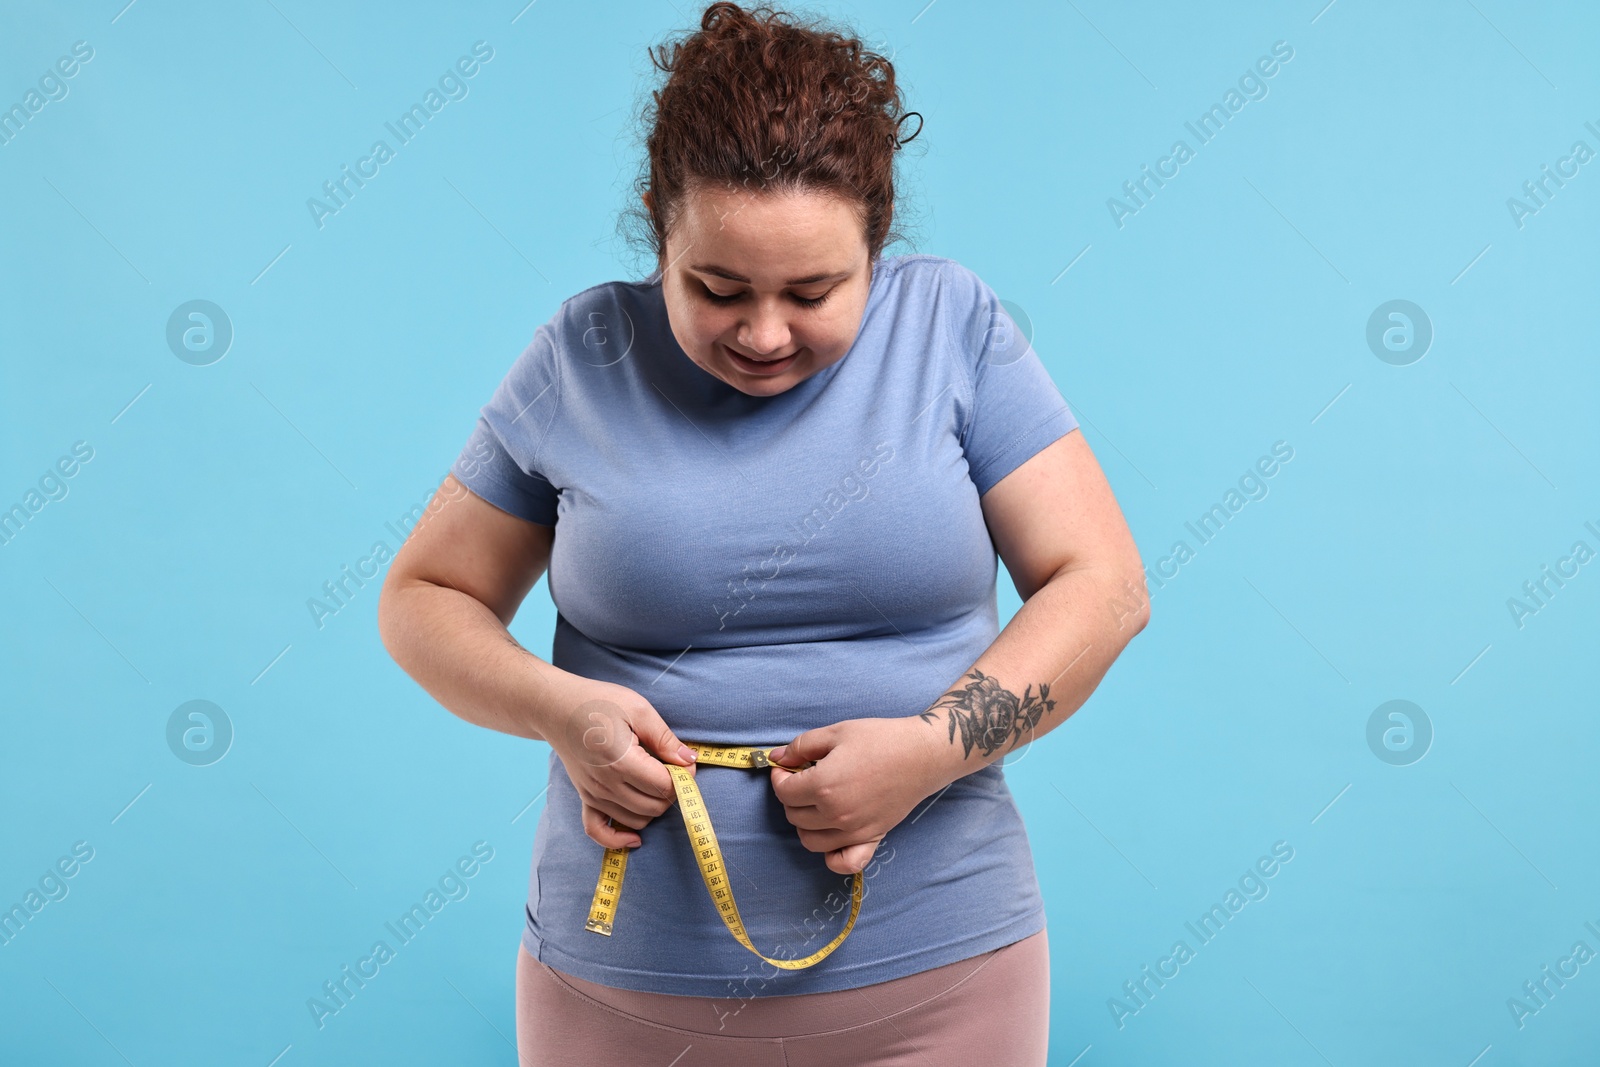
x: 765, y: 332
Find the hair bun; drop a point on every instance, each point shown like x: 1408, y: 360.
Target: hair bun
x: 760, y: 100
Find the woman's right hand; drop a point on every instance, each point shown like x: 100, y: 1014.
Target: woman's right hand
x: 612, y: 745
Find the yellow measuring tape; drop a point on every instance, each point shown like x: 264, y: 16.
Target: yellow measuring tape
x: 703, y: 840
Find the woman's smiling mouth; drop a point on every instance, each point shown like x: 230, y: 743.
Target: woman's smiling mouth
x: 756, y: 366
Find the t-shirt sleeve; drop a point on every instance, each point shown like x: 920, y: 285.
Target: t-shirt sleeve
x: 1012, y: 408
x: 500, y: 461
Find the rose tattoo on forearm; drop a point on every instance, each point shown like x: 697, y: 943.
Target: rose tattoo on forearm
x: 990, y: 716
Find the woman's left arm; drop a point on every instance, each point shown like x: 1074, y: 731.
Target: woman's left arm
x: 1056, y: 525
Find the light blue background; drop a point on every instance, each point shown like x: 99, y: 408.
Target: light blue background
x: 1226, y: 315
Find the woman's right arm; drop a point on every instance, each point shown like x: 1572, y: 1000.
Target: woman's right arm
x: 452, y: 590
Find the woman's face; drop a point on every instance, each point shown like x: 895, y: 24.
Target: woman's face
x: 764, y: 290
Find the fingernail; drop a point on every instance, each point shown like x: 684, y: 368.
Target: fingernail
x: 635, y: 843
x: 686, y: 753
x: 777, y: 753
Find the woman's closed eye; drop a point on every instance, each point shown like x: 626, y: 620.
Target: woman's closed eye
x: 803, y: 301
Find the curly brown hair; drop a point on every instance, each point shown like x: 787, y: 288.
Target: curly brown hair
x: 758, y: 100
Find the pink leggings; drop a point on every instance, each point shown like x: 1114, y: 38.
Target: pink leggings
x: 992, y: 1009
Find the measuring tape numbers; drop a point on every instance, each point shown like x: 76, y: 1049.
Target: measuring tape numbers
x: 708, y: 854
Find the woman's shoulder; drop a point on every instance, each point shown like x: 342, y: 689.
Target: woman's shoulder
x: 616, y: 293
x: 938, y: 285
x: 921, y: 264
x: 598, y: 325
x: 941, y: 291
x: 916, y: 261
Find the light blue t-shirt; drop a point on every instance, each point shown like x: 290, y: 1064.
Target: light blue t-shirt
x: 761, y: 566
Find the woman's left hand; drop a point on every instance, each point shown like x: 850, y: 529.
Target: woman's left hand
x: 866, y: 776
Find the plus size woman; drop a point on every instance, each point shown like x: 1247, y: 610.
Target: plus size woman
x: 769, y: 483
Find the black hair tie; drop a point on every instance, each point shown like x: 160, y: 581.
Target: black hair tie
x: 899, y: 141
